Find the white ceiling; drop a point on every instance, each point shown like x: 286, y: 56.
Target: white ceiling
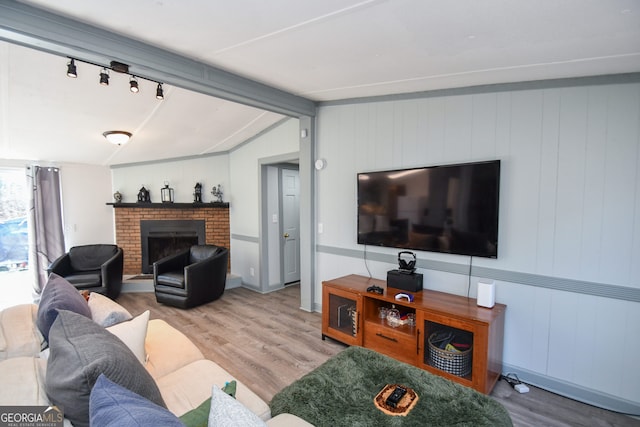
x: 322, y: 50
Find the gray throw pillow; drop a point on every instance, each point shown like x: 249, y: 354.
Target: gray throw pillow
x: 58, y: 294
x: 81, y: 350
x: 228, y: 412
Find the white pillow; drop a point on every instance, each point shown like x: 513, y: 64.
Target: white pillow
x: 228, y: 412
x: 106, y: 312
x: 133, y: 333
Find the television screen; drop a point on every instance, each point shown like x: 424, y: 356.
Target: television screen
x: 449, y: 208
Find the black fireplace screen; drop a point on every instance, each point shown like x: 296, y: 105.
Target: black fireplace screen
x: 167, y: 237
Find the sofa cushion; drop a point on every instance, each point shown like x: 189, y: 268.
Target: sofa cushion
x: 228, y: 412
x: 81, y: 350
x: 19, y: 335
x: 113, y: 405
x: 59, y: 294
x: 105, y: 311
x: 168, y: 350
x: 23, y: 380
x: 189, y: 386
x: 90, y: 257
x: 133, y: 333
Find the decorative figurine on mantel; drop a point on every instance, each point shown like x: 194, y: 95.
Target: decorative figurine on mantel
x: 217, y: 193
x: 144, y: 196
x: 117, y: 196
x: 197, y: 193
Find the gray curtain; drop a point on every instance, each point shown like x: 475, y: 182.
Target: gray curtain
x: 45, y: 222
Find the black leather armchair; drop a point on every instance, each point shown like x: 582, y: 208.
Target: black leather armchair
x: 96, y: 268
x: 191, y: 277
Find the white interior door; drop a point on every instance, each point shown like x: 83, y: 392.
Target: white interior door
x: 290, y: 242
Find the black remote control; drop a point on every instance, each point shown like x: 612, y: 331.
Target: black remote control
x: 396, y: 396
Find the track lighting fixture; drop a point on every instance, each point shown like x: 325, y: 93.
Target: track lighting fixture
x: 104, y: 77
x: 133, y: 85
x: 117, y: 137
x: 117, y: 67
x: 71, y: 69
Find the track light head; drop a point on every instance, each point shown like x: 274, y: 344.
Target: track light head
x: 159, y: 92
x: 104, y: 77
x: 133, y: 85
x: 71, y: 69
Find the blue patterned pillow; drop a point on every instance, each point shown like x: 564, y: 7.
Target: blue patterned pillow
x: 111, y: 405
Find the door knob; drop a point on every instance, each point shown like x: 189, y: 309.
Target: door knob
x: 286, y: 235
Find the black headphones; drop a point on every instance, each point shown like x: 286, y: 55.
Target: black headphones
x: 407, y: 264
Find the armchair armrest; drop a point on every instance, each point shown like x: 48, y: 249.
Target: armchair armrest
x: 207, y: 270
x: 200, y: 269
x: 111, y: 270
x: 61, y: 266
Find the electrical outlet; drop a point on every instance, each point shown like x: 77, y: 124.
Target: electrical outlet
x: 320, y: 228
x: 252, y: 272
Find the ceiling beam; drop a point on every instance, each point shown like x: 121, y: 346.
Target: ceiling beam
x: 42, y: 30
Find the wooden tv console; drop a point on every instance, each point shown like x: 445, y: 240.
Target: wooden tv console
x: 350, y: 315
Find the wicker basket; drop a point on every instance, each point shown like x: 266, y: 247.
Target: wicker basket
x: 456, y: 363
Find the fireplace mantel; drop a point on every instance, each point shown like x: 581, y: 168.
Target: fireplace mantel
x: 222, y: 205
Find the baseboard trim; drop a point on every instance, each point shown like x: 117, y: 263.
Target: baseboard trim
x: 574, y: 391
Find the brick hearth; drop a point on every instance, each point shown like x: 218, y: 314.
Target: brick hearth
x: 128, y: 227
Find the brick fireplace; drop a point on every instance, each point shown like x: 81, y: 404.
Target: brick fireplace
x: 130, y: 215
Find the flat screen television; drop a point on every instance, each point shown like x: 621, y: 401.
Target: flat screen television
x: 448, y: 208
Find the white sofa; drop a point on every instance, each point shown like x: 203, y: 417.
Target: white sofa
x: 182, y: 374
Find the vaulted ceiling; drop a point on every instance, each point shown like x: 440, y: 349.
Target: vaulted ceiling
x: 320, y: 50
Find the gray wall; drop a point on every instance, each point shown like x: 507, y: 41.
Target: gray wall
x: 569, y: 237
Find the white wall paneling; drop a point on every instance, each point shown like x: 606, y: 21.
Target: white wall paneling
x: 182, y: 175
x: 85, y: 191
x: 569, y: 207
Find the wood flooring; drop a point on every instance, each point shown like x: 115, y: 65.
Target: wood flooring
x: 267, y: 342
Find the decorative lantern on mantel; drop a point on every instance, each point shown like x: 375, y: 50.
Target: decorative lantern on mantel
x: 166, y: 193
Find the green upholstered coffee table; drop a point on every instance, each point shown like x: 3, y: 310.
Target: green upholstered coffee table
x: 341, y: 391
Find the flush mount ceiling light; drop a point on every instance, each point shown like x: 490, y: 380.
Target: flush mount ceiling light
x: 117, y: 137
x: 104, y: 77
x: 71, y: 69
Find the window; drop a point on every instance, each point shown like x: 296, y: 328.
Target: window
x: 14, y: 241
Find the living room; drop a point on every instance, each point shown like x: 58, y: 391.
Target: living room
x: 568, y: 233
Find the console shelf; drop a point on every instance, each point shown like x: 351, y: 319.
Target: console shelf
x: 350, y: 315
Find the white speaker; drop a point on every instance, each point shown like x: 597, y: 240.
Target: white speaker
x: 486, y: 294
